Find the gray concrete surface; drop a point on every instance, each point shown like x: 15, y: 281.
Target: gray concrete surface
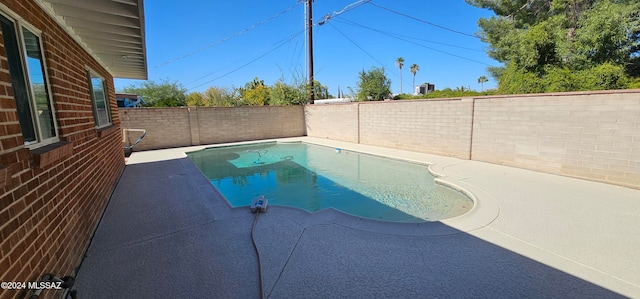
x: 168, y: 233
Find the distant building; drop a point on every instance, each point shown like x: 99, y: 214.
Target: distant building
x: 424, y: 88
x: 335, y: 100
x: 129, y: 100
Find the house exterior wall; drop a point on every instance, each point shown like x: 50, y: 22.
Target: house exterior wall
x: 185, y: 126
x: 51, y: 198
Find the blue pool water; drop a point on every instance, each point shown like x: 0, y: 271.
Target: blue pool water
x: 313, y: 178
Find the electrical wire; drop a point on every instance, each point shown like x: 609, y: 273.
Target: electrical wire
x: 349, y: 22
x: 229, y: 37
x: 347, y: 8
x: 355, y: 44
x: 422, y: 21
x: 248, y: 63
x: 417, y: 44
x: 365, y: 51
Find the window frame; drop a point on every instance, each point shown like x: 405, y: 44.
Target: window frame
x: 19, y: 24
x: 91, y: 74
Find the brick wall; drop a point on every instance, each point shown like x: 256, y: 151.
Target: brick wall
x: 594, y: 135
x: 185, y: 126
x: 51, y: 198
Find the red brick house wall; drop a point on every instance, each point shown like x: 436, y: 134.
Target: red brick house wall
x: 51, y: 198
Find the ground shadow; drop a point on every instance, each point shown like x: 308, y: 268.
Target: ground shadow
x: 170, y: 248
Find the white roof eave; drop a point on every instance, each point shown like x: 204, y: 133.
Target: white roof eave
x: 112, y: 31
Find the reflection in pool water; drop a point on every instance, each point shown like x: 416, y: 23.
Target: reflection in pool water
x: 313, y: 178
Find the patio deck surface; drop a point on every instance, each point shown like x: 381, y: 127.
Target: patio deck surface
x: 168, y: 233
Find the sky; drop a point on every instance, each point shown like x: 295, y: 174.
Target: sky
x: 203, y: 43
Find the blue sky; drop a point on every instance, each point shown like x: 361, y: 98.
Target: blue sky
x: 202, y: 43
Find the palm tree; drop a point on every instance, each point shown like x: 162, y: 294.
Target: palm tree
x: 414, y: 68
x: 481, y: 80
x: 400, y: 64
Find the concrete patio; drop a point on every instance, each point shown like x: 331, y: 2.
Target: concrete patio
x: 168, y: 233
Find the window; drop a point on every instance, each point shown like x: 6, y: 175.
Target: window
x: 29, y: 82
x: 101, y: 113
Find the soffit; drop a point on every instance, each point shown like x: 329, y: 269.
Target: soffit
x: 111, y: 30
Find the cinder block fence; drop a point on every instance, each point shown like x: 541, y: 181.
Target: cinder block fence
x: 594, y: 135
x: 185, y: 126
x: 589, y: 135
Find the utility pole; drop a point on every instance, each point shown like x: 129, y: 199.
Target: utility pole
x: 310, y: 44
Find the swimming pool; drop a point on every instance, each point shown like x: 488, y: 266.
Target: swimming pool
x: 314, y: 177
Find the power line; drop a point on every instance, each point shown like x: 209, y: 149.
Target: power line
x: 422, y: 21
x: 363, y: 50
x: 349, y: 22
x: 347, y: 8
x: 355, y: 44
x: 284, y: 41
x: 229, y: 37
x: 421, y: 45
x: 250, y: 62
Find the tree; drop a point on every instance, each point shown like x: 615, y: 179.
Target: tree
x: 538, y: 40
x: 296, y: 93
x: 482, y: 80
x: 400, y: 64
x: 414, y: 68
x: 220, y: 97
x: 255, y: 93
x: 373, y: 85
x: 195, y: 99
x: 320, y: 91
x: 285, y: 94
x: 163, y: 94
x: 462, y: 89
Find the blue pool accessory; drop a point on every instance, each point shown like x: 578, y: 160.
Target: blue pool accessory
x: 259, y: 204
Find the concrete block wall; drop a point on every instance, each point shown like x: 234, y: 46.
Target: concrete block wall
x: 186, y: 126
x: 228, y: 124
x: 590, y: 135
x: 166, y: 127
x: 439, y: 127
x: 52, y: 197
x: 337, y: 121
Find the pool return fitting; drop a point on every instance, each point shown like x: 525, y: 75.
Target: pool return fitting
x: 259, y: 205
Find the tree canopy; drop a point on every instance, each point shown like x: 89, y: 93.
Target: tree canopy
x: 562, y: 45
x: 373, y: 85
x: 163, y: 94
